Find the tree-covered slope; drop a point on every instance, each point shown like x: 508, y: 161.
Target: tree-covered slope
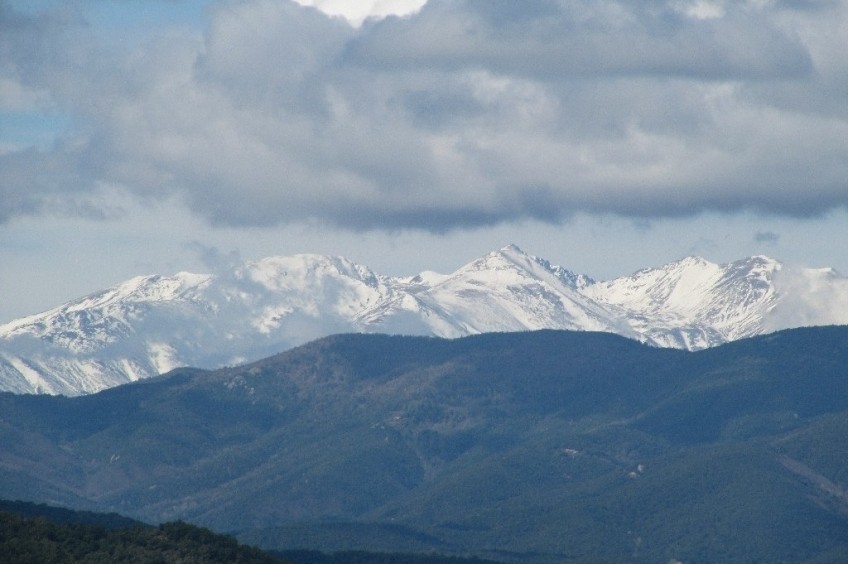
x: 546, y: 446
x: 61, y: 537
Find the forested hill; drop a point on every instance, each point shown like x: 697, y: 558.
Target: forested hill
x: 43, y: 534
x: 549, y: 446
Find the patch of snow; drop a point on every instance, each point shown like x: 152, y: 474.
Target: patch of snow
x: 37, y: 384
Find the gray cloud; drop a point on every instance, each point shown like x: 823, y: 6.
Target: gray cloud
x: 768, y: 237
x: 467, y: 113
x: 547, y: 39
x: 213, y: 259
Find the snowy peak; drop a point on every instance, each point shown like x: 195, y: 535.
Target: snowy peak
x: 757, y: 271
x: 694, y: 303
x: 84, y: 325
x: 668, y: 288
x: 683, y: 284
x: 281, y: 273
x: 509, y: 290
x: 507, y: 259
x: 151, y: 324
x: 511, y: 261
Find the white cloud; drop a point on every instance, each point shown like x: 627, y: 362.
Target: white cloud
x: 15, y: 96
x: 463, y: 113
x: 702, y: 9
x: 356, y: 12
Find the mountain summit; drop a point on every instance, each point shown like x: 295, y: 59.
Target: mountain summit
x: 150, y: 325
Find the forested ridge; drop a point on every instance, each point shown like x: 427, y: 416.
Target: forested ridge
x: 40, y: 534
x: 543, y: 447
x: 38, y: 540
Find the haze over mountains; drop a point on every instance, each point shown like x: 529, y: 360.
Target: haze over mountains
x: 150, y: 325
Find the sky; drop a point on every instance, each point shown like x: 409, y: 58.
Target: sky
x: 155, y: 136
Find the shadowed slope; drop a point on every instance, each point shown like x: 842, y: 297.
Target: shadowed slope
x: 539, y: 446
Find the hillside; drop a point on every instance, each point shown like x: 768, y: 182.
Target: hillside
x: 541, y: 447
x: 38, y: 533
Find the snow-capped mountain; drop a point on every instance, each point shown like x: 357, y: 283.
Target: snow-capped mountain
x: 694, y: 303
x: 149, y: 325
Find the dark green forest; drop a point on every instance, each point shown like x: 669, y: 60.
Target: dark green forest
x: 543, y: 447
x: 37, y: 540
x: 363, y: 557
x: 40, y: 534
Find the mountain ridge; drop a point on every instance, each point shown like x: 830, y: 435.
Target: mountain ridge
x: 149, y: 325
x: 491, y: 444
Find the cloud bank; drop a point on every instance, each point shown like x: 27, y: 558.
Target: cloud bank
x: 463, y: 113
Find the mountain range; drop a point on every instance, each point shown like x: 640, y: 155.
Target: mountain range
x: 531, y: 447
x: 152, y: 324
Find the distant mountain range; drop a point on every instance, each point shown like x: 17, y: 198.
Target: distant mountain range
x: 150, y: 325
x: 541, y: 447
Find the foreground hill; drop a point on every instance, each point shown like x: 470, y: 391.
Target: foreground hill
x: 150, y: 325
x: 545, y: 447
x: 37, y: 533
x: 40, y: 533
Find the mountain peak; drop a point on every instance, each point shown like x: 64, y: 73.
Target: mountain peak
x: 512, y: 248
x: 691, y: 261
x: 761, y: 262
x: 151, y: 323
x: 508, y: 254
x: 281, y: 272
x: 508, y: 257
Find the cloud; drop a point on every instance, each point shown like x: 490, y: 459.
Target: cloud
x: 360, y: 10
x: 547, y: 40
x: 768, y: 237
x: 464, y: 113
x: 809, y: 296
x: 213, y: 259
